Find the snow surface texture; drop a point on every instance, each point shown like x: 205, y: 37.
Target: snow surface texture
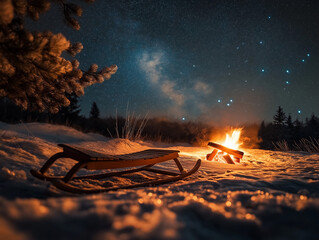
x: 270, y: 195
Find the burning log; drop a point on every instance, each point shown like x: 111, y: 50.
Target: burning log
x: 211, y: 156
x: 229, y: 155
x: 235, y: 153
x: 228, y: 159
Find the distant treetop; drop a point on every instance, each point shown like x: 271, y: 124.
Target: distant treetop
x: 280, y: 117
x: 95, y: 112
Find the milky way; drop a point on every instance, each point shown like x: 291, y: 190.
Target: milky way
x: 223, y: 62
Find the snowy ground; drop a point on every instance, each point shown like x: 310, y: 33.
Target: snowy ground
x: 270, y: 195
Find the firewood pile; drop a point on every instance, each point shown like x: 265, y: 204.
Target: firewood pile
x: 229, y: 155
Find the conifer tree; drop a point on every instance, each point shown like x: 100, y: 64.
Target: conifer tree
x: 280, y: 117
x: 298, y: 124
x: 312, y: 127
x: 95, y: 112
x: 289, y: 122
x: 313, y: 122
x: 72, y: 111
x: 33, y: 73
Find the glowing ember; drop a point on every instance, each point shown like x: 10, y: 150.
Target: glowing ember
x: 227, y: 151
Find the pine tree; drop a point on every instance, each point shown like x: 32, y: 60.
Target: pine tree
x: 280, y: 117
x: 312, y: 127
x: 33, y: 73
x: 313, y: 122
x: 289, y: 122
x: 72, y: 111
x: 298, y: 124
x: 95, y: 112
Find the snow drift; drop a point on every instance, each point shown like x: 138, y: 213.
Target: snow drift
x: 269, y: 195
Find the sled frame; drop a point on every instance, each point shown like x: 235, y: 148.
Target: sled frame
x: 90, y: 160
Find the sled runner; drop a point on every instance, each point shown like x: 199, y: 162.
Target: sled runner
x: 91, y: 160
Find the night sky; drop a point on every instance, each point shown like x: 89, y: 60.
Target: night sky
x: 220, y: 62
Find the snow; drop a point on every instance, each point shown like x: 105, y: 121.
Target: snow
x: 269, y: 195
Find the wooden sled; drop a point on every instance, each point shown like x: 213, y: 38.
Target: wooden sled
x: 92, y: 160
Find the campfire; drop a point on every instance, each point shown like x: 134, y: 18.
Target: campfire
x: 227, y: 152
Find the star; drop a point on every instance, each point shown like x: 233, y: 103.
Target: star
x: 299, y: 111
x: 194, y: 70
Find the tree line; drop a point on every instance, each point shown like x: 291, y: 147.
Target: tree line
x: 283, y: 128
x: 154, y: 129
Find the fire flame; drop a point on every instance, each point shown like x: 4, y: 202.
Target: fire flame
x: 232, y: 139
x: 227, y: 152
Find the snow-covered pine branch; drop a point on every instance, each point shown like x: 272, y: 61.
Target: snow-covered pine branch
x: 33, y: 74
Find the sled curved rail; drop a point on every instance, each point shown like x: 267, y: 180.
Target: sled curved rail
x: 92, y: 160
